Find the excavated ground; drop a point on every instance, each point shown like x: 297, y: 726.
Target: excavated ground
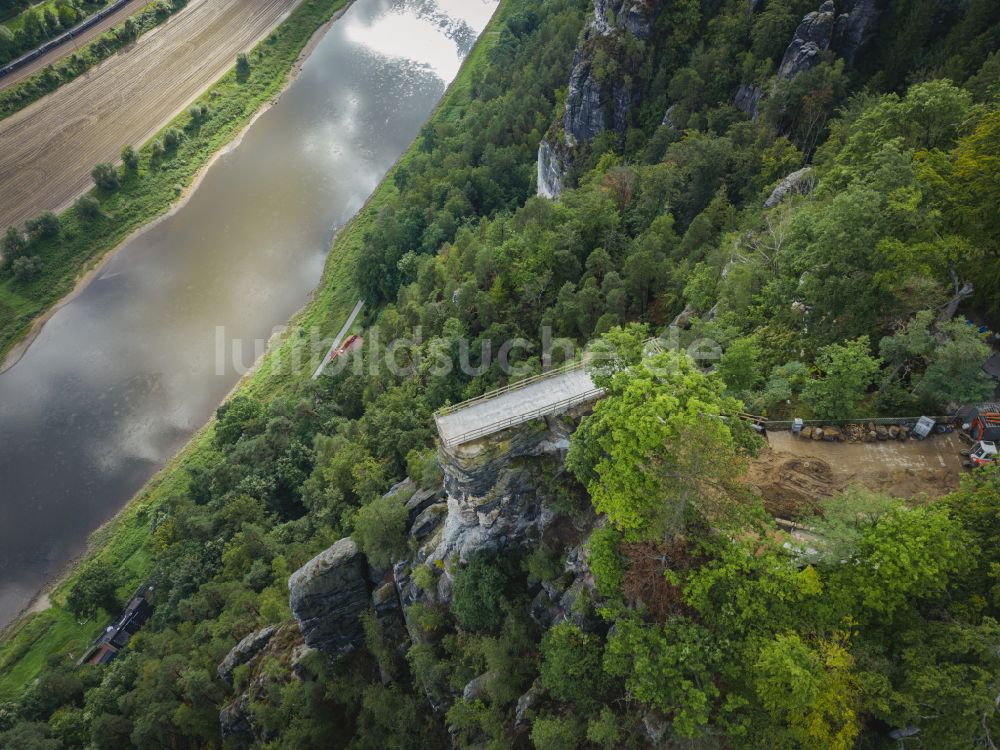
x: 48, y: 149
x: 795, y: 474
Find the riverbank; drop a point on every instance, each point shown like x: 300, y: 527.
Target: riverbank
x: 124, y: 541
x: 161, y: 180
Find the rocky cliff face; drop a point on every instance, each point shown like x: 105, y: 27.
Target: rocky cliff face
x: 812, y: 38
x: 493, y: 498
x: 844, y: 27
x: 327, y: 596
x: 492, y: 487
x: 634, y: 16
x: 551, y: 171
x: 855, y: 27
x: 595, y: 102
x: 841, y: 27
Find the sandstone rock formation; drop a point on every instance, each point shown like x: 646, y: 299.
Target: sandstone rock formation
x: 551, y: 171
x: 327, y: 596
x: 748, y: 99
x: 244, y: 651
x: 596, y: 102
x: 812, y: 38
x: 855, y: 27
x: 843, y: 28
x: 800, y: 182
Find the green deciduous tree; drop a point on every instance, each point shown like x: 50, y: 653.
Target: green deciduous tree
x: 130, y: 158
x: 42, y: 227
x: 481, y: 590
x: 13, y: 243
x: 87, y: 207
x: 26, y: 268
x: 657, y: 448
x: 908, y: 555
x: 556, y: 733
x: 809, y: 691
x: 380, y: 528
x: 668, y: 667
x: 954, y: 374
x: 105, y: 177
x: 740, y: 367
x: 571, y: 666
x: 96, y: 587
x: 845, y: 371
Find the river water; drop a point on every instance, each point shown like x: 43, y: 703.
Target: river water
x: 122, y: 375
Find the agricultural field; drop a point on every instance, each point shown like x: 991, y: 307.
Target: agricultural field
x: 50, y: 147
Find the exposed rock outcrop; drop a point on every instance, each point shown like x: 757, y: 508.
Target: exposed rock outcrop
x: 238, y: 724
x: 596, y: 102
x: 494, y: 496
x: 845, y: 32
x: 844, y: 29
x: 812, y: 38
x: 327, y: 596
x: 855, y: 27
x: 526, y: 703
x: 610, y: 16
x: 748, y: 99
x: 800, y: 182
x: 668, y: 116
x: 551, y: 171
x: 244, y: 651
x: 477, y: 689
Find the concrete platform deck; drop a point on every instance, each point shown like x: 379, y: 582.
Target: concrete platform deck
x: 521, y: 402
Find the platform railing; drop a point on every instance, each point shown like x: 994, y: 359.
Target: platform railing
x: 510, y: 387
x: 543, y: 411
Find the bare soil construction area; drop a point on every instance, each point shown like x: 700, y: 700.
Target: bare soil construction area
x: 793, y: 474
x: 48, y: 149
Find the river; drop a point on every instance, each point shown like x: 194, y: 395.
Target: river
x: 123, y: 374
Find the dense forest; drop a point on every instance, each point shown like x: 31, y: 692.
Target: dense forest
x: 843, y: 293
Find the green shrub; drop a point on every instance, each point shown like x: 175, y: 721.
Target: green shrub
x: 380, y: 529
x: 571, y: 666
x: 543, y: 565
x: 554, y: 733
x: 105, y: 177
x: 26, y: 268
x: 425, y: 578
x: 87, y: 207
x: 479, y: 595
x: 171, y: 139
x: 130, y: 158
x: 607, y: 565
x: 604, y: 730
x: 42, y: 227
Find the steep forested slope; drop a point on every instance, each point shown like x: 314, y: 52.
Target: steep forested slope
x: 813, y: 194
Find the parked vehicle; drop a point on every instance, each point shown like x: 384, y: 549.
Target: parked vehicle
x: 982, y: 453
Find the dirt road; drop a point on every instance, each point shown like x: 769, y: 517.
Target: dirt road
x: 793, y: 474
x: 48, y: 149
x: 63, y: 50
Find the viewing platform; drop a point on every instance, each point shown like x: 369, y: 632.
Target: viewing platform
x: 539, y: 396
